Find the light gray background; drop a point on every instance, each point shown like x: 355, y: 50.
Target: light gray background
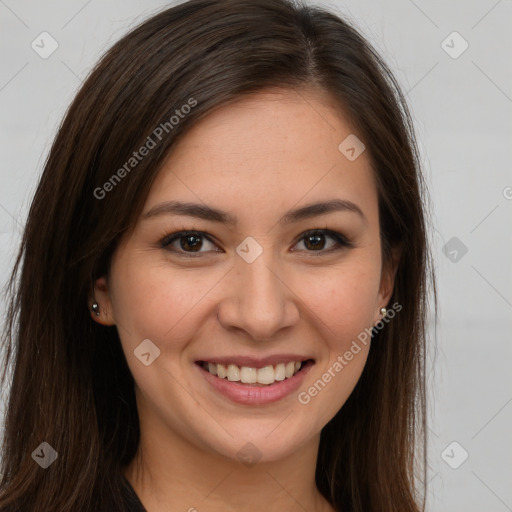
x: 463, y: 112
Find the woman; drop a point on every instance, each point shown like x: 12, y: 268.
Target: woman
x: 223, y: 278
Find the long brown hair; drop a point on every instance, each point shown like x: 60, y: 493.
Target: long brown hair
x: 70, y: 384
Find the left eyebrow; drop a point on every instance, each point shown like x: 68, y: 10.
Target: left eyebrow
x: 315, y: 209
x: 205, y: 212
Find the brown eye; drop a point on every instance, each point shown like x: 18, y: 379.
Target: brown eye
x: 186, y: 242
x: 190, y: 242
x: 315, y: 241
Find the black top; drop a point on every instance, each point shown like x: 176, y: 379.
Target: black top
x: 131, y: 498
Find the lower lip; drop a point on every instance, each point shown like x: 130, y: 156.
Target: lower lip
x: 256, y: 395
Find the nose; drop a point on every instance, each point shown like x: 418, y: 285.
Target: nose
x: 258, y: 299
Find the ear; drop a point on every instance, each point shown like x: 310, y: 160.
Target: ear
x: 387, y: 280
x: 102, y: 298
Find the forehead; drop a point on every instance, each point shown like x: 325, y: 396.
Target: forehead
x: 275, y: 148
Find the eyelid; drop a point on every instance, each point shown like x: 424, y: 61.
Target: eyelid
x: 342, y: 242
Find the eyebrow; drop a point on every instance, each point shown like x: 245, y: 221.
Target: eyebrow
x: 205, y: 212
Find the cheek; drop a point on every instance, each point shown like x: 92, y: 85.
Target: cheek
x: 343, y: 307
x: 151, y: 302
x: 344, y: 299
x: 157, y: 303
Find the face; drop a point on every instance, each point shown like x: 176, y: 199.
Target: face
x: 255, y: 287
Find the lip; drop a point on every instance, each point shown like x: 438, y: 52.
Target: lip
x: 256, y: 395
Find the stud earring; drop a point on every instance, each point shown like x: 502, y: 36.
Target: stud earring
x: 383, y: 311
x: 96, y: 309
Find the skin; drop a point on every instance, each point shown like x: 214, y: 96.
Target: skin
x: 257, y: 159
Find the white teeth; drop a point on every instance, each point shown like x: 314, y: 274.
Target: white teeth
x: 248, y: 375
x: 280, y: 372
x: 222, y: 371
x: 290, y: 369
x: 233, y: 372
x: 266, y: 375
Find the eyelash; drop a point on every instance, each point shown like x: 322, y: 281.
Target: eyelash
x: 341, y: 241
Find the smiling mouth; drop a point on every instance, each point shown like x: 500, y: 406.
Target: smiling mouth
x: 263, y: 377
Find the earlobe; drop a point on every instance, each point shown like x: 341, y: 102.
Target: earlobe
x: 100, y: 305
x: 96, y: 308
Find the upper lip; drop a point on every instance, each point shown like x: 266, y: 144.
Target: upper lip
x: 255, y: 362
